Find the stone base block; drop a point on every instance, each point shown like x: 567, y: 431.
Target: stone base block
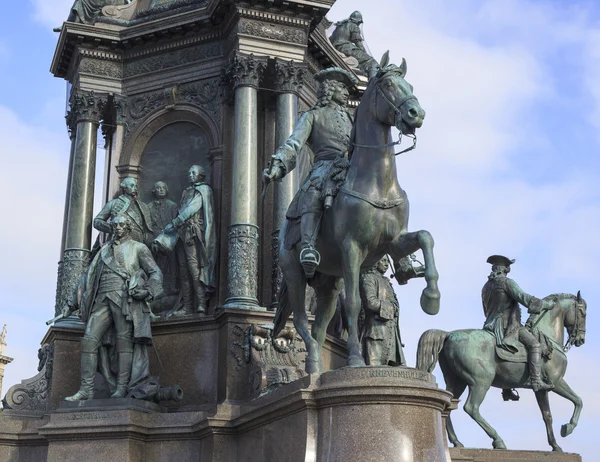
x: 500, y: 455
x: 111, y: 404
x: 359, y: 414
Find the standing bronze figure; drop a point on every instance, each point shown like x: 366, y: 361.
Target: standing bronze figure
x: 195, y: 226
x: 113, y: 300
x: 368, y: 219
x: 381, y: 341
x: 127, y: 204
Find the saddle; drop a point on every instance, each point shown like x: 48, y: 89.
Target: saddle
x: 517, y: 352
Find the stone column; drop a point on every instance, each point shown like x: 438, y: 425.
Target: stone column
x: 115, y: 137
x: 87, y: 109
x: 242, y: 279
x: 4, y: 360
x: 289, y: 79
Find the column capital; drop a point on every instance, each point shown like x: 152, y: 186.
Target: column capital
x: 289, y: 76
x: 87, y: 106
x: 244, y: 71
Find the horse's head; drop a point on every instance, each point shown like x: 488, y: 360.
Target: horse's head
x: 575, y: 321
x: 396, y: 105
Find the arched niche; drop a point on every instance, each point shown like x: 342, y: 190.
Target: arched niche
x: 164, y: 148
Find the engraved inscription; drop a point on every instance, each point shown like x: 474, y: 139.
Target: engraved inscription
x: 89, y: 416
x: 401, y: 373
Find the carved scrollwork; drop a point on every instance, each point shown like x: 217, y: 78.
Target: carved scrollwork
x: 101, y: 67
x: 271, y: 31
x: 75, y: 263
x: 32, y: 394
x: 289, y: 76
x: 242, y: 278
x: 87, y: 106
x: 244, y: 71
x: 205, y: 94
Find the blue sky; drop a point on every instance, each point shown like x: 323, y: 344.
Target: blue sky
x: 506, y: 163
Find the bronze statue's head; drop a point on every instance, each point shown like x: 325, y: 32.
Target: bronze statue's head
x: 335, y: 86
x: 160, y: 190
x: 121, y: 226
x: 383, y: 265
x: 356, y: 17
x: 500, y: 265
x: 196, y: 174
x: 129, y: 187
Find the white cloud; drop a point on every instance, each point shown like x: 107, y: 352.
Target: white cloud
x: 51, y: 13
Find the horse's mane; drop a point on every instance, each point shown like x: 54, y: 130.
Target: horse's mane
x: 561, y: 296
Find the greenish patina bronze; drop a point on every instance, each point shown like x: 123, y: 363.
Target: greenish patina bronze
x: 506, y: 355
x: 113, y: 298
x: 381, y: 341
x: 86, y: 11
x: 347, y: 39
x: 367, y: 220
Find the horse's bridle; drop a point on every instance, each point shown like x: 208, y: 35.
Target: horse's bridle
x: 398, y: 114
x: 576, y: 327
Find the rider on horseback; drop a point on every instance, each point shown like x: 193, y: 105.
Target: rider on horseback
x: 326, y: 128
x: 501, y: 297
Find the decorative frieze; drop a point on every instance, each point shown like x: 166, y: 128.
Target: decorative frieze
x: 245, y: 71
x: 289, y: 76
x: 242, y: 277
x: 101, y: 67
x: 271, y: 31
x: 171, y: 59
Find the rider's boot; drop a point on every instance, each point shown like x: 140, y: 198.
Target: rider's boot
x: 125, y: 362
x: 535, y: 370
x: 201, y: 298
x: 309, y: 256
x: 510, y: 394
x: 89, y: 365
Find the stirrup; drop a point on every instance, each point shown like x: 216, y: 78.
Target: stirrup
x: 510, y: 395
x: 310, y: 258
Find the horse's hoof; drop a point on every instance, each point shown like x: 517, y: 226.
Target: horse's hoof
x: 430, y: 301
x: 556, y: 448
x: 312, y: 366
x: 458, y: 444
x: 499, y: 444
x: 355, y: 361
x: 566, y: 430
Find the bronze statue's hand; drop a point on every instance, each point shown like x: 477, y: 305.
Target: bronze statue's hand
x: 155, y: 248
x: 140, y: 294
x: 67, y: 311
x: 273, y: 174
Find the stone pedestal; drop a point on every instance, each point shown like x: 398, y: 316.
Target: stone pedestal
x: 495, y: 455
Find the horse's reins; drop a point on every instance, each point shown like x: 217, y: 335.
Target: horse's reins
x: 577, y: 330
x: 397, y: 111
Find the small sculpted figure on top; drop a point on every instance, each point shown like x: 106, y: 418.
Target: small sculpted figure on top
x: 380, y: 334
x: 113, y: 298
x: 195, y: 227
x: 326, y: 129
x: 347, y: 39
x: 127, y: 204
x: 501, y: 297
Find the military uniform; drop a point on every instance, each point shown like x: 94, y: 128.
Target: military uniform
x: 501, y: 297
x: 137, y: 212
x: 196, y: 229
x: 380, y: 334
x: 108, y: 310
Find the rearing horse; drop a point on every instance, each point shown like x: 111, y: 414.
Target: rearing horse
x: 368, y: 219
x: 468, y: 358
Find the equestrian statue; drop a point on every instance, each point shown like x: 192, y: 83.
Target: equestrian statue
x: 366, y: 216
x: 507, y: 355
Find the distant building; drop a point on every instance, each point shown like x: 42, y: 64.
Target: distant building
x: 4, y: 360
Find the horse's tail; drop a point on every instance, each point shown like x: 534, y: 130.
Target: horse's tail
x: 430, y: 345
x: 284, y: 309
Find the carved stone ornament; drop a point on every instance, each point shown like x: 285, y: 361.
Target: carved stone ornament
x: 120, y: 109
x: 245, y: 71
x: 31, y: 395
x: 75, y: 263
x: 272, y: 362
x: 289, y: 76
x: 242, y: 278
x: 87, y: 106
x: 101, y: 68
x: 271, y: 31
x: 276, y: 274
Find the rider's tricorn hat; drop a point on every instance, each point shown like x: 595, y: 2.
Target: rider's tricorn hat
x: 337, y: 74
x: 500, y: 260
